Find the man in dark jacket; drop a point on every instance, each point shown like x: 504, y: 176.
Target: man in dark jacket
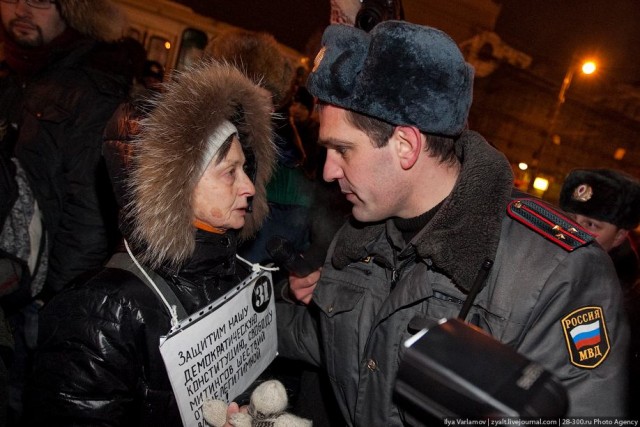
x: 53, y: 107
x: 55, y: 99
x: 434, y: 220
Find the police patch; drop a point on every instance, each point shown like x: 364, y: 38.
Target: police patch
x: 586, y: 334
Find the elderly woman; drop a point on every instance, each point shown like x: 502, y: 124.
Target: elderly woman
x: 193, y: 187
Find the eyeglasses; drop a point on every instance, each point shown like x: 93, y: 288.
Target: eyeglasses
x: 36, y: 4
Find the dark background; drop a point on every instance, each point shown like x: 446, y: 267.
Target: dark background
x: 549, y: 30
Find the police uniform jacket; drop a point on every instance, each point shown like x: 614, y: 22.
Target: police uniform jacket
x: 538, y: 290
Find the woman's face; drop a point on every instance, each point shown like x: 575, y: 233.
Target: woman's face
x: 221, y: 196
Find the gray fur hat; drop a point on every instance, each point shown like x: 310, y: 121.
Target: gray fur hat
x: 603, y: 194
x: 401, y: 73
x: 98, y: 19
x: 175, y: 143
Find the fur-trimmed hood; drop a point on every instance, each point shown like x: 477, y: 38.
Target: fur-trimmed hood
x: 169, y: 152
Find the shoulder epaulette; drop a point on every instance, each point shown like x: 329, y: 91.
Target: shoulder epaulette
x: 549, y: 223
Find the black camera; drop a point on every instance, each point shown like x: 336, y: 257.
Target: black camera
x: 453, y: 369
x: 372, y: 12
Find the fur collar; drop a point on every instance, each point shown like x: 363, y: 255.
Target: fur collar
x: 466, y: 229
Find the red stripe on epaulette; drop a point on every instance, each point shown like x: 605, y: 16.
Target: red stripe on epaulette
x: 549, y: 223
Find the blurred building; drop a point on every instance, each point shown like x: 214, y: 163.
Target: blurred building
x: 515, y: 96
x: 512, y: 108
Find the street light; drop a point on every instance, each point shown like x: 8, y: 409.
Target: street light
x: 586, y: 67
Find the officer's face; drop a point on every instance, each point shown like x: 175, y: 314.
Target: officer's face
x: 368, y: 176
x: 29, y: 26
x: 608, y: 235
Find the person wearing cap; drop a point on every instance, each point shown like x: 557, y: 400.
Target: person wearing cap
x: 435, y: 219
x: 190, y: 186
x: 607, y: 203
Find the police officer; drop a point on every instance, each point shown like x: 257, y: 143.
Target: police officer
x: 435, y: 219
x: 607, y: 203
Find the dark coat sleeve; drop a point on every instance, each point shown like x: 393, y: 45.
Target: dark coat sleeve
x: 60, y: 148
x: 95, y: 350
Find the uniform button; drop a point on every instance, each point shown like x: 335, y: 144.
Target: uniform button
x: 38, y: 114
x: 330, y: 309
x: 372, y: 365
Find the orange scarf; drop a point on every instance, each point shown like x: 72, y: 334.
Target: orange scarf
x: 206, y: 227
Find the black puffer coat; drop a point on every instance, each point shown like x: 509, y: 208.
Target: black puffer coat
x: 99, y: 362
x: 59, y: 114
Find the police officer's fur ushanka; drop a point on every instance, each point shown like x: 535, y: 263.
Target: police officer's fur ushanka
x: 98, y: 19
x: 402, y: 73
x: 603, y: 194
x: 173, y: 145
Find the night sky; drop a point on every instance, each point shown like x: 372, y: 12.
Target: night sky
x: 555, y: 29
x: 549, y: 30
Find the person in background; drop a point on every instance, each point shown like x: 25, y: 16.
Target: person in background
x: 437, y: 231
x: 328, y: 211
x: 191, y: 185
x: 152, y: 75
x: 55, y: 98
x: 607, y: 203
x: 604, y: 201
x: 301, y: 111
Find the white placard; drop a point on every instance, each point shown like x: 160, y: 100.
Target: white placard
x: 220, y: 350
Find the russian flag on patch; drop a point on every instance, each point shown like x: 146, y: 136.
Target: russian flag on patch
x: 586, y: 335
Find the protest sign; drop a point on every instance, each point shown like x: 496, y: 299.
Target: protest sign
x: 220, y: 350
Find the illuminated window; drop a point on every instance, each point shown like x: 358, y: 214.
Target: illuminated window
x: 158, y: 50
x: 541, y: 184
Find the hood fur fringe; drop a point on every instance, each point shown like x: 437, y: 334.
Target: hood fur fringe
x: 169, y: 152
x: 99, y: 19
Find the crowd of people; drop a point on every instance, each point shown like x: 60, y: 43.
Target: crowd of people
x: 131, y: 201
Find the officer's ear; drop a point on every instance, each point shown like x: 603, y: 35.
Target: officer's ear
x: 621, y: 235
x: 409, y: 144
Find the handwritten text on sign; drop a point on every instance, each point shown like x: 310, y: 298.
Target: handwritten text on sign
x: 219, y: 351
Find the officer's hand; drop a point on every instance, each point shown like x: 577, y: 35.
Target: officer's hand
x: 301, y: 288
